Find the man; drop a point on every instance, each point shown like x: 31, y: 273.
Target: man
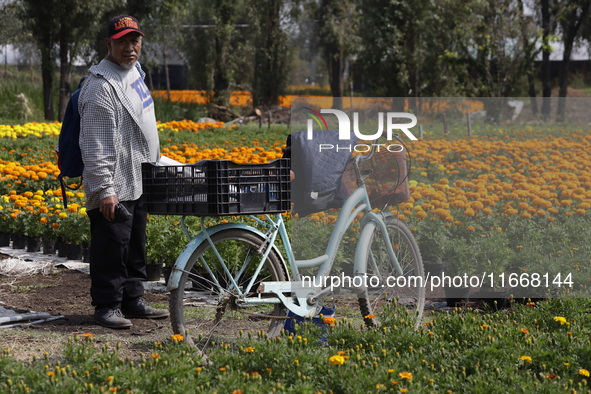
x: 117, y: 133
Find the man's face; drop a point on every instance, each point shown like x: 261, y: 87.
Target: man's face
x: 125, y: 50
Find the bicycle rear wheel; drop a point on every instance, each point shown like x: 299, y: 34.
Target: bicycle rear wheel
x: 205, y: 300
x: 379, y: 267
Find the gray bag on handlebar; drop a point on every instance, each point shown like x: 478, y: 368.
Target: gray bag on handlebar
x: 318, y: 165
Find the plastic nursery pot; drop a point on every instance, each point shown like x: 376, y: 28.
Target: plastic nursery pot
x: 494, y: 298
x: 456, y: 296
x: 166, y: 272
x: 62, y: 250
x: 48, y: 246
x: 33, y: 244
x: 4, y: 239
x: 18, y: 241
x: 74, y: 252
x: 153, y: 272
x: 86, y: 253
x: 434, y: 269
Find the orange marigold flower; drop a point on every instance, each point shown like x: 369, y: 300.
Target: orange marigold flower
x: 470, y: 228
x: 177, y: 337
x: 405, y: 375
x: 329, y: 320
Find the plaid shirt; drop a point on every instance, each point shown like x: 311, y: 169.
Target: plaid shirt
x: 111, y: 141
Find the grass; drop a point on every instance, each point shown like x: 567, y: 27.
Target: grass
x: 542, y: 348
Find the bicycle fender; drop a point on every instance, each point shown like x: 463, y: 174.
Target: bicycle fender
x: 183, y: 259
x: 368, y: 226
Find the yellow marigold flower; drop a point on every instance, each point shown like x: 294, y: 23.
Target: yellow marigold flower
x: 249, y: 349
x: 525, y: 358
x: 63, y: 215
x: 560, y: 319
x: 584, y: 372
x: 336, y: 360
x: 485, y: 326
x: 469, y: 212
x: 405, y: 375
x: 80, y: 195
x: 177, y: 337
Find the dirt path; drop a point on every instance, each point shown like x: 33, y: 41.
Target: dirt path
x: 67, y: 293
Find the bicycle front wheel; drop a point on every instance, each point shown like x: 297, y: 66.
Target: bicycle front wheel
x: 385, y: 285
x: 205, y: 301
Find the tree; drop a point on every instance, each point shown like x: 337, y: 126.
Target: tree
x: 574, y: 14
x: 162, y: 28
x: 530, y: 36
x: 77, y: 23
x: 271, y: 61
x: 217, y: 47
x: 66, y: 26
x: 41, y: 17
x: 11, y: 29
x: 338, y: 39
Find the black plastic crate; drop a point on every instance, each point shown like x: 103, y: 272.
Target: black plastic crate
x: 217, y: 188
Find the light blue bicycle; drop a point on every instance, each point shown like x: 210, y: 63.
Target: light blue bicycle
x: 234, y: 276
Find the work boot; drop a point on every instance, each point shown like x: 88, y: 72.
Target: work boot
x: 111, y: 318
x: 140, y: 309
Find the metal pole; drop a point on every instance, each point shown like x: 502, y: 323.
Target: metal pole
x: 420, y: 131
x: 469, y: 125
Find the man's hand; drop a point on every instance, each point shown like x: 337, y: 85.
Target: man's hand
x: 107, y: 207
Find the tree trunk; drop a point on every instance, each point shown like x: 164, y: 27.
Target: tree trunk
x: 546, y: 88
x: 269, y: 58
x: 532, y: 92
x: 150, y: 79
x: 335, y: 64
x: 166, y: 74
x: 31, y: 64
x: 47, y: 74
x: 65, y: 77
x: 563, y: 79
x: 529, y: 59
x: 220, y: 79
x: 570, y: 35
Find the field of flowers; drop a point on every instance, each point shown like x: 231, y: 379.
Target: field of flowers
x: 504, y: 201
x: 532, y: 348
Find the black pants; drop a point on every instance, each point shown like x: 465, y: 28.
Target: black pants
x: 117, y: 257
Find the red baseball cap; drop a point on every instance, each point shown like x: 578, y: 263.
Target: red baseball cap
x: 122, y: 25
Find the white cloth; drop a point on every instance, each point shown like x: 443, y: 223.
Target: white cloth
x: 136, y: 90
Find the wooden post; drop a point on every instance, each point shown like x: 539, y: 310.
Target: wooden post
x: 469, y: 125
x: 420, y: 131
x: 269, y: 115
x: 445, y: 125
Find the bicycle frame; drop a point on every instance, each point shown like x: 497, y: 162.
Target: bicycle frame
x: 301, y: 304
